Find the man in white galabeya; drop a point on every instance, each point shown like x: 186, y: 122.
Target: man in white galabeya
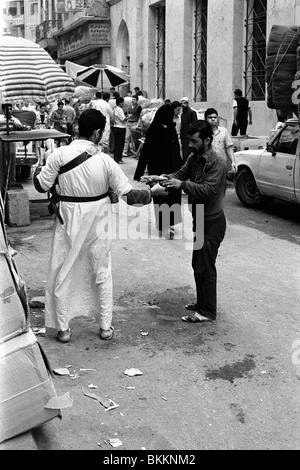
x: 79, y: 275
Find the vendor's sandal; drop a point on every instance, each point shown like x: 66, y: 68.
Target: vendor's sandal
x: 107, y: 334
x: 195, y: 318
x: 64, y: 336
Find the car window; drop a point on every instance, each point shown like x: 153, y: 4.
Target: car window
x: 288, y: 140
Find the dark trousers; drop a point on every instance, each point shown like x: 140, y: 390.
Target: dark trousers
x: 119, y: 141
x: 242, y: 127
x: 204, y: 266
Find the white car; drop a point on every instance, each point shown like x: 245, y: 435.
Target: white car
x: 273, y: 172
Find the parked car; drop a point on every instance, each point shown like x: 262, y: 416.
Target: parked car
x: 272, y: 172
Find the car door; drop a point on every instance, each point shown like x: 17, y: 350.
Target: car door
x: 276, y: 174
x: 297, y: 178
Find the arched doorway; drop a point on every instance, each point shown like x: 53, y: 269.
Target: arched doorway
x: 122, y: 51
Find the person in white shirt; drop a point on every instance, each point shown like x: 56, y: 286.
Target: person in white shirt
x: 177, y: 118
x: 222, y: 142
x: 119, y: 129
x: 102, y: 105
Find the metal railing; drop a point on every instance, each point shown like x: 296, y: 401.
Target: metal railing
x: 200, y: 56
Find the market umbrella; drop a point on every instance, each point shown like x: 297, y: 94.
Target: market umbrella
x: 28, y: 72
x: 102, y: 76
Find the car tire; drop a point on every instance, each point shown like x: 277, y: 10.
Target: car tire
x: 246, y: 189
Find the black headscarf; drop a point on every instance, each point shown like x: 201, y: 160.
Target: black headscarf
x: 164, y: 115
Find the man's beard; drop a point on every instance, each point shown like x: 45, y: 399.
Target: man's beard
x: 197, y: 151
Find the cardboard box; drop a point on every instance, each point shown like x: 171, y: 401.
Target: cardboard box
x: 26, y: 386
x: 13, y: 312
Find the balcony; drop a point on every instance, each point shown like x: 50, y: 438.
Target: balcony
x: 46, y: 30
x: 45, y: 34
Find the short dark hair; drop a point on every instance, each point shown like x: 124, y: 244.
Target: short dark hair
x: 210, y: 111
x: 119, y: 100
x: 238, y: 92
x: 201, y: 127
x: 176, y: 104
x: 98, y: 94
x: 90, y: 120
x: 105, y: 96
x: 135, y: 96
x: 59, y: 103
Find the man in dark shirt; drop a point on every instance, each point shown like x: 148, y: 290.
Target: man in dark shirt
x: 203, y: 178
x: 241, y: 109
x: 188, y: 116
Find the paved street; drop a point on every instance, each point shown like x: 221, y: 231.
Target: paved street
x: 230, y: 384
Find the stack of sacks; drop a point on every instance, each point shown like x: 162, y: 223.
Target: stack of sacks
x: 282, y: 63
x: 147, y: 114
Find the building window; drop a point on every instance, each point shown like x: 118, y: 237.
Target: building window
x: 255, y: 49
x: 161, y: 52
x: 33, y: 8
x: 200, y: 57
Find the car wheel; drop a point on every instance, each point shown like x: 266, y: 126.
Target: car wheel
x: 246, y: 189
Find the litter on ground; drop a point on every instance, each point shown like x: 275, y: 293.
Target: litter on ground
x: 38, y: 331
x: 106, y: 402
x: 61, y: 371
x: 115, y: 442
x: 132, y: 372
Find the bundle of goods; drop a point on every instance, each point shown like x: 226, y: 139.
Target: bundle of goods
x: 282, y: 63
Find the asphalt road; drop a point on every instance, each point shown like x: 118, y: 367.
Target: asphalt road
x: 232, y: 384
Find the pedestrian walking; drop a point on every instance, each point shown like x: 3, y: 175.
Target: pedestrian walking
x: 132, y: 122
x: 222, y: 142
x: 177, y: 118
x: 161, y: 154
x: 203, y: 178
x: 102, y: 105
x: 119, y: 129
x: 71, y: 115
x: 241, y: 111
x: 188, y: 116
x: 58, y: 118
x: 42, y: 122
x: 79, y: 275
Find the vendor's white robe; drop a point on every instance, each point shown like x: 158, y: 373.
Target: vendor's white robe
x: 79, y: 276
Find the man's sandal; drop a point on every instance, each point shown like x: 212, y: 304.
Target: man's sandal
x: 107, y: 334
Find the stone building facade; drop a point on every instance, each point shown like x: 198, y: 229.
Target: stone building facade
x: 202, y: 49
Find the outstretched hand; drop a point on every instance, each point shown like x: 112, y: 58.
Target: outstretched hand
x: 171, y: 183
x: 158, y: 190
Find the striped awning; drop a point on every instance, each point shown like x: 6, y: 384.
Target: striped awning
x: 28, y: 72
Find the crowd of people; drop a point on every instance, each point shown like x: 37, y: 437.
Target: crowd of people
x: 181, y: 154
